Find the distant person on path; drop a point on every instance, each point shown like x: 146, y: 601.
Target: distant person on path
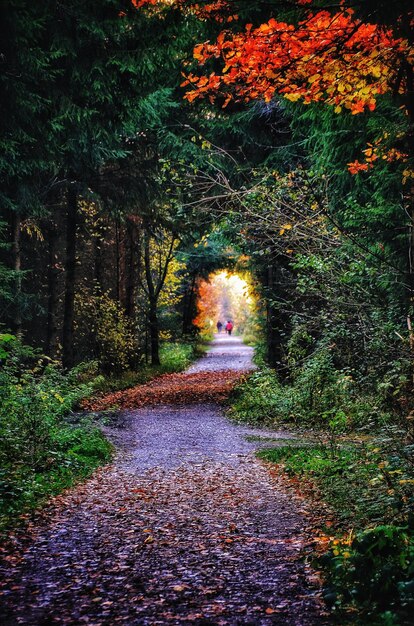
x: 229, y: 327
x: 219, y: 326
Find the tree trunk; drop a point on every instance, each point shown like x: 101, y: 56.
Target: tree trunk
x: 410, y: 212
x: 70, y: 267
x: 410, y: 190
x: 274, y: 339
x: 188, y: 305
x: 129, y: 270
x: 117, y: 255
x: 98, y: 257
x: 185, y: 308
x: 153, y: 302
x: 154, y: 332
x: 52, y: 283
x: 17, y: 267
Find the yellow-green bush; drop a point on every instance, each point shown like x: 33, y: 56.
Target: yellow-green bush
x: 104, y: 333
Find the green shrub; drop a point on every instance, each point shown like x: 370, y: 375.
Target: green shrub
x: 319, y: 394
x: 369, y: 488
x: 316, y: 396
x: 41, y: 450
x: 299, y: 345
x: 261, y: 399
x: 375, y: 571
x: 176, y: 357
x: 6, y: 340
x: 17, y: 354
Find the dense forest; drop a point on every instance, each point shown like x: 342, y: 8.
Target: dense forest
x: 154, y: 151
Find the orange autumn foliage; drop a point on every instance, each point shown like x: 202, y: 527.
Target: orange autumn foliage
x: 208, y: 304
x: 377, y: 151
x: 331, y: 58
x: 355, y: 167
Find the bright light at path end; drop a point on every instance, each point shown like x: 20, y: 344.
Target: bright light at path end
x: 224, y: 296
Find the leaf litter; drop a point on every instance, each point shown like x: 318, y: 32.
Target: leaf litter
x: 181, y: 388
x: 186, y: 527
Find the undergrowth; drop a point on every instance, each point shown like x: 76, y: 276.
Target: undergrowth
x: 369, y: 567
x: 43, y: 447
x: 322, y: 397
x: 355, y: 480
x: 174, y: 357
x: 370, y: 562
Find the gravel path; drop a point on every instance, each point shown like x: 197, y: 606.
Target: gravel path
x: 185, y: 527
x: 173, y: 436
x: 225, y: 353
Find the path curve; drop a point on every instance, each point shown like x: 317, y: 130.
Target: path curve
x: 186, y: 527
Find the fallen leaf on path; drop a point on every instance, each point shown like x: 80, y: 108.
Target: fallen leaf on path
x: 181, y: 388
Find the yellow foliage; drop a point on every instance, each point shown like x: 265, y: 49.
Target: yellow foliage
x: 104, y: 332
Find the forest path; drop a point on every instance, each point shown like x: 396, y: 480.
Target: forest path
x: 226, y: 352
x: 185, y: 527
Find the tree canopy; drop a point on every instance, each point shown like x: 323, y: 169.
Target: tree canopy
x: 154, y: 151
